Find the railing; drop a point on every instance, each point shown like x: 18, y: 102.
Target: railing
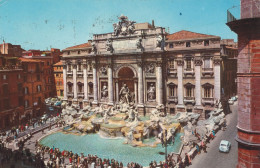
x: 10, y: 67
x: 189, y: 100
x: 208, y: 100
x: 189, y: 69
x: 173, y: 99
x: 80, y: 94
x: 207, y: 69
x: 249, y: 10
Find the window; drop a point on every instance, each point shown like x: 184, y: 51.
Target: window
x: 206, y: 43
x: 171, y: 64
x: 4, y: 76
x: 207, y: 92
x: 189, y: 92
x: 68, y: 53
x: 6, y: 104
x: 80, y: 87
x: 188, y: 63
x: 38, y: 77
x: 70, y: 87
x: 171, y: 90
x: 57, y: 75
x: 39, y: 88
x: 171, y: 45
x: 48, y: 63
x: 172, y: 110
x: 61, y: 92
x: 69, y: 69
x: 187, y: 44
x: 79, y: 67
x: 90, y: 88
x: 25, y: 78
x: 19, y: 87
x: 5, y: 90
x: 39, y: 101
x: 26, y: 90
x: 20, y: 100
x: 26, y: 103
x: 18, y: 76
x: 79, y: 52
x: 49, y: 80
x: 207, y: 63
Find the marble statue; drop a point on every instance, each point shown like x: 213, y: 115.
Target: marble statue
x: 139, y: 44
x: 109, y: 46
x: 151, y: 92
x: 159, y: 41
x: 104, y: 92
x: 150, y: 69
x: 124, y: 95
x: 94, y: 48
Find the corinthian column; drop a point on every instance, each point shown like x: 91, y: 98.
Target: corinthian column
x: 180, y: 84
x: 140, y: 85
x: 198, y: 64
x: 110, y: 85
x: 95, y: 84
x: 65, y: 82
x: 75, y: 81
x: 159, y: 83
x: 85, y: 78
x: 217, y: 78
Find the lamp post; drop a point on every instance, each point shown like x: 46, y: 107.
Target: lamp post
x: 165, y: 144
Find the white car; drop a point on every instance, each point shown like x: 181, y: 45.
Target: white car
x: 224, y: 146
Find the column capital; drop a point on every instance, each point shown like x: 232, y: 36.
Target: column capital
x: 110, y: 65
x: 180, y: 62
x: 217, y: 61
x: 94, y: 64
x: 85, y: 66
x: 198, y: 62
x: 74, y: 66
x: 159, y: 63
x: 64, y: 66
x: 140, y: 64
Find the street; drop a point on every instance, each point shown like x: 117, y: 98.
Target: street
x: 213, y: 158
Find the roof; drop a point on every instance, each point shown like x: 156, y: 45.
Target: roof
x: 184, y: 34
x: 58, y: 63
x: 84, y: 45
x: 29, y: 60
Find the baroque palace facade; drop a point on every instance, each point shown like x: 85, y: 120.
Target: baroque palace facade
x: 143, y: 65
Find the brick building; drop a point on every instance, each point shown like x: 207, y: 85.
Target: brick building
x: 247, y: 27
x: 49, y: 58
x: 11, y: 86
x: 33, y: 87
x: 58, y: 75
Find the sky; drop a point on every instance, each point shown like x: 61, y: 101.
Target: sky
x: 45, y: 24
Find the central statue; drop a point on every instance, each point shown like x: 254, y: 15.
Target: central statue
x: 124, y: 94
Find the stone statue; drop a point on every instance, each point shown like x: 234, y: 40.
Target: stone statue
x: 103, y: 70
x: 124, y: 94
x: 159, y: 41
x: 117, y: 28
x: 139, y: 44
x: 94, y: 48
x: 131, y: 27
x: 151, y: 92
x: 104, y: 92
x: 109, y: 46
x: 150, y: 68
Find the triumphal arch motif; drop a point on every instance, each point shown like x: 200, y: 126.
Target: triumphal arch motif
x: 124, y: 66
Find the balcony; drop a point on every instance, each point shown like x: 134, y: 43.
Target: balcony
x: 172, y: 72
x: 189, y: 71
x: 172, y: 99
x: 189, y: 100
x: 69, y: 74
x: 70, y: 94
x: 81, y: 94
x: 207, y: 101
x: 207, y: 71
x: 79, y: 73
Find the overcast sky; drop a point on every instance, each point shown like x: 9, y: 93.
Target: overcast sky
x: 41, y: 24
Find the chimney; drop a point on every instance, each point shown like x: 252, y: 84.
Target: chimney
x: 153, y: 23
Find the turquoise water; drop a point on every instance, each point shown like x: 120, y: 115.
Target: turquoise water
x: 109, y: 148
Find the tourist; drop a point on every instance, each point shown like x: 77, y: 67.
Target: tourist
x: 187, y: 160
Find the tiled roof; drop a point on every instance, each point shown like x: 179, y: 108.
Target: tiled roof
x: 29, y: 60
x: 58, y: 63
x: 84, y: 45
x: 183, y: 35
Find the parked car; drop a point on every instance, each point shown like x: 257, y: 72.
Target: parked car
x: 224, y: 146
x: 230, y: 101
x: 45, y: 117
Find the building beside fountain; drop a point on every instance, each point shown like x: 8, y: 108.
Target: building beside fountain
x: 141, y: 64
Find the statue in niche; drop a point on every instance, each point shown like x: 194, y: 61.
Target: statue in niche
x: 104, y: 92
x: 103, y: 70
x: 94, y: 48
x: 151, y: 92
x: 124, y: 95
x: 150, y: 68
x: 109, y: 46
